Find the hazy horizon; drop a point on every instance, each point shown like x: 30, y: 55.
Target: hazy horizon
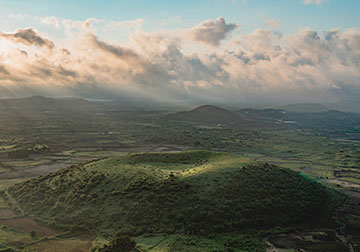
x: 245, y: 52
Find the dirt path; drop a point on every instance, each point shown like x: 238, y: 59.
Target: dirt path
x: 343, y: 183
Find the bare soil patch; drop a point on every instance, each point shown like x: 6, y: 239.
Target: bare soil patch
x: 28, y: 225
x: 6, y: 213
x: 63, y: 245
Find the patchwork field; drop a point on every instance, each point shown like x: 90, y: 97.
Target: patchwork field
x: 327, y: 155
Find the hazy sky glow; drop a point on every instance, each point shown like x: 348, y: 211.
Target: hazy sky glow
x: 215, y: 50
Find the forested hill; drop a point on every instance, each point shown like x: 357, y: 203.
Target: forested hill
x: 194, y: 192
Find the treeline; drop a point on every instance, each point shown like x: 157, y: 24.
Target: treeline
x: 111, y: 201
x: 25, y: 152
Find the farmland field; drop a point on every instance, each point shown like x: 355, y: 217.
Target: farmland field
x: 316, y: 154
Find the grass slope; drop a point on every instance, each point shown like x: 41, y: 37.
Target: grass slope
x: 193, y: 192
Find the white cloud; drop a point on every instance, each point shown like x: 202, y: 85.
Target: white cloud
x: 259, y: 66
x: 92, y: 24
x: 274, y: 23
x: 271, y: 22
x: 210, y: 32
x: 318, y: 2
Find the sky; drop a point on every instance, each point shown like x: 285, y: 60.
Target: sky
x: 245, y: 51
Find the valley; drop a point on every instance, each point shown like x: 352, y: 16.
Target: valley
x: 179, y: 126
x: 106, y: 167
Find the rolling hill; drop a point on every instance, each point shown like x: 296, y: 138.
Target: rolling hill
x: 346, y: 106
x: 305, y: 108
x: 193, y: 192
x: 207, y: 114
x: 39, y: 105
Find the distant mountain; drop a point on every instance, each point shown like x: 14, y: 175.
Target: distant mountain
x: 305, y: 108
x: 346, y: 106
x: 207, y: 114
x: 262, y: 113
x: 39, y: 105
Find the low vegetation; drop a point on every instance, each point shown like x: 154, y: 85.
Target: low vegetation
x: 181, y: 201
x: 194, y: 192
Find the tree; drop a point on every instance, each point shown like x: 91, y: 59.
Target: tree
x: 120, y: 244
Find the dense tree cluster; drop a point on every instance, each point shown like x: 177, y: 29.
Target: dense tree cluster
x: 132, y: 202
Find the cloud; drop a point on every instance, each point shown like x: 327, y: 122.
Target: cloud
x: 271, y: 22
x: 318, y: 2
x: 210, y: 32
x: 117, y: 51
x: 128, y: 58
x: 28, y: 37
x: 274, y: 23
x: 3, y: 70
x: 71, y: 26
x: 171, y: 20
x: 261, y: 66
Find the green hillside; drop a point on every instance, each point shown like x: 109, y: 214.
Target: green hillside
x: 207, y: 114
x: 194, y: 192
